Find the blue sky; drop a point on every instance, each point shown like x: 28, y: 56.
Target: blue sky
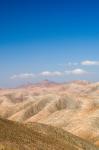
x: 53, y: 39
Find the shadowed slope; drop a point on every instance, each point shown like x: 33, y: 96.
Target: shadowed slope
x: 15, y: 136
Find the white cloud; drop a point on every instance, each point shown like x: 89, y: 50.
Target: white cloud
x: 51, y: 74
x: 90, y: 63
x: 31, y: 75
x: 76, y: 72
x: 23, y: 76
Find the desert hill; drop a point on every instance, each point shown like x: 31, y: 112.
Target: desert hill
x: 72, y: 106
x: 15, y: 136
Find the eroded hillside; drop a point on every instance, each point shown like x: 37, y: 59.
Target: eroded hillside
x: 72, y: 106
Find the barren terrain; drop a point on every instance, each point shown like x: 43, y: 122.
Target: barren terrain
x: 72, y: 106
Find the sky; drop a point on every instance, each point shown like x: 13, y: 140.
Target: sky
x: 48, y: 39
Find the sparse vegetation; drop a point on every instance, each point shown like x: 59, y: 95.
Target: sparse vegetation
x: 15, y: 136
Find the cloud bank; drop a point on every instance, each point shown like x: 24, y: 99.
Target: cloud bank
x: 76, y: 72
x: 23, y: 76
x: 90, y: 63
x: 49, y: 74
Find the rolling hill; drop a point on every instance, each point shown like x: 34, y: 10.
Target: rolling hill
x: 73, y: 107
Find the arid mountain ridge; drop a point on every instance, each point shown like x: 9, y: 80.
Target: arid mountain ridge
x: 72, y: 106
